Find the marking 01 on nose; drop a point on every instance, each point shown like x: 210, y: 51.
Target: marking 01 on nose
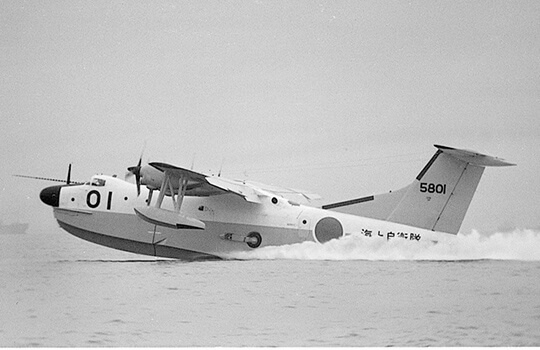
x: 93, y: 203
x: 93, y: 199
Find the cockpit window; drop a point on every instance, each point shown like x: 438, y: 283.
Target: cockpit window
x: 97, y: 182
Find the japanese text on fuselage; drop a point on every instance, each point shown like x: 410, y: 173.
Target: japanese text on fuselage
x: 391, y: 234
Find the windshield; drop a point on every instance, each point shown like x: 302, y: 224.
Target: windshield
x: 97, y: 182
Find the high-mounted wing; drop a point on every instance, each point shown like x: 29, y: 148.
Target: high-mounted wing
x: 196, y: 182
x: 203, y: 185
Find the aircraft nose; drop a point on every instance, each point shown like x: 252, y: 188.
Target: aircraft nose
x: 51, y: 195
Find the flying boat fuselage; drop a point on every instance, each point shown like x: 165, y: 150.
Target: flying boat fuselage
x: 102, y: 212
x: 211, y: 217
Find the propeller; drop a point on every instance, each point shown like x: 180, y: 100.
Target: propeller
x: 136, y: 170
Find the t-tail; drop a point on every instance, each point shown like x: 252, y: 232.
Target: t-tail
x: 436, y: 200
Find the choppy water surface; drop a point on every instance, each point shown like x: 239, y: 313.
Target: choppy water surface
x: 58, y: 290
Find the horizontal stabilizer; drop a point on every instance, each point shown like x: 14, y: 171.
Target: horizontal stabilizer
x: 167, y: 218
x: 473, y: 157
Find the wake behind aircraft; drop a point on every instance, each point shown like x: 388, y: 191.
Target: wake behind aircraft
x: 178, y: 213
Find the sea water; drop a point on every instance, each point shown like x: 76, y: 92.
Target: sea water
x: 57, y: 290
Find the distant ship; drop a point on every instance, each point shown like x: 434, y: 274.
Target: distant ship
x: 14, y: 228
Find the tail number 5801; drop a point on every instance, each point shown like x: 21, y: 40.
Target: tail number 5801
x: 432, y: 188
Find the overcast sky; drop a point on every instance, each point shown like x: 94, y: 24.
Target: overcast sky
x: 342, y: 98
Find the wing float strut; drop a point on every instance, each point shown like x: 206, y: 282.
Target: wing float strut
x: 167, y: 218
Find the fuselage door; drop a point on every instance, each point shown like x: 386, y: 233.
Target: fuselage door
x: 304, y: 225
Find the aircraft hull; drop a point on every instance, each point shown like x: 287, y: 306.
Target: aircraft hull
x: 130, y: 233
x: 137, y: 247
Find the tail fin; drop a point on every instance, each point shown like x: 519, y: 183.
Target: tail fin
x: 438, y: 198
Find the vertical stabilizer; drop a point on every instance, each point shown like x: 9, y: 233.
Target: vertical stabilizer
x: 437, y: 199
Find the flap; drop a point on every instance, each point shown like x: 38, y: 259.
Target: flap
x: 289, y: 193
x: 238, y: 188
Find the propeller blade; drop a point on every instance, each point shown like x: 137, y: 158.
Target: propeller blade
x: 136, y: 170
x: 68, y: 180
x: 138, y: 181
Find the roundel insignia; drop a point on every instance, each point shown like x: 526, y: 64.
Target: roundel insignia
x: 328, y: 228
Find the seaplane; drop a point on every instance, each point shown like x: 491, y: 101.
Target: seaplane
x: 174, y: 212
